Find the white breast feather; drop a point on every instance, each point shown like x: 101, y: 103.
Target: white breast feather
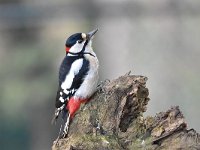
x: 89, y: 84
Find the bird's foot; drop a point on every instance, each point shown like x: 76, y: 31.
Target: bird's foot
x: 101, y: 84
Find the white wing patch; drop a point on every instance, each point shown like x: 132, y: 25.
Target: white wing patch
x: 75, y: 68
x: 61, y: 99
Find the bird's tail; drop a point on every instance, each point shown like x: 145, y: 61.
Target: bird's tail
x: 64, y: 128
x: 56, y: 114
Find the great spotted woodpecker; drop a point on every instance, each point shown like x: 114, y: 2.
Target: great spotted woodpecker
x: 78, y: 77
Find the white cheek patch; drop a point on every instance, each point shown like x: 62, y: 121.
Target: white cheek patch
x: 76, y: 48
x: 75, y: 68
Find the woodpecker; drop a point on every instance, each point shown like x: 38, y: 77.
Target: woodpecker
x: 78, y: 77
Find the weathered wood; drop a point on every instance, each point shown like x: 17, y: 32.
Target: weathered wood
x: 113, y: 120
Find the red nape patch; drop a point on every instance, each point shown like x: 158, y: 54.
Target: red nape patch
x: 73, y: 105
x: 67, y: 49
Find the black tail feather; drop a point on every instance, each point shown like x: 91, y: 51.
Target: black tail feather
x: 64, y: 128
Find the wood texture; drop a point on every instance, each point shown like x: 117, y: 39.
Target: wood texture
x: 113, y: 120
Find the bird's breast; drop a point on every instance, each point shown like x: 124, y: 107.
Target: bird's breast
x: 90, y: 82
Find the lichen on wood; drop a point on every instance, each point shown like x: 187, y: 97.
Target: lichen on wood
x: 113, y: 120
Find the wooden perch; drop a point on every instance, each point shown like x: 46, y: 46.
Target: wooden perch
x: 113, y: 120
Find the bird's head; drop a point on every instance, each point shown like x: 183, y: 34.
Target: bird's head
x: 80, y: 43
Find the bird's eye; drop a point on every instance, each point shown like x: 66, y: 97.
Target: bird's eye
x: 80, y: 41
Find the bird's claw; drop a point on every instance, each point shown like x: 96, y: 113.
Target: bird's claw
x: 103, y: 82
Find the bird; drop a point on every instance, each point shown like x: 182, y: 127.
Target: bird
x: 78, y: 78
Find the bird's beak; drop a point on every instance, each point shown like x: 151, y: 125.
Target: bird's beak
x: 91, y: 34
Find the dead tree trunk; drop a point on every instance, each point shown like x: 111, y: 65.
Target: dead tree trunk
x: 113, y: 120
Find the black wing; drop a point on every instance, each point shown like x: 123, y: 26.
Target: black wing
x: 77, y: 80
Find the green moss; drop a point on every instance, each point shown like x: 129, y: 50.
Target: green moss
x: 90, y: 141
x: 139, y: 144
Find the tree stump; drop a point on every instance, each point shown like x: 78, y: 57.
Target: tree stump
x: 113, y: 120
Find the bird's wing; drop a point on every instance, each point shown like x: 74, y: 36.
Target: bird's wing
x: 71, y: 76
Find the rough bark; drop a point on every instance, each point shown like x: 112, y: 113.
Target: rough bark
x: 113, y: 120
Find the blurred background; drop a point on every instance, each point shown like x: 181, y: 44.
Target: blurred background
x: 159, y: 39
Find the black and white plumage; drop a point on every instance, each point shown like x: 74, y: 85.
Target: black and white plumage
x: 78, y: 76
x: 71, y: 75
